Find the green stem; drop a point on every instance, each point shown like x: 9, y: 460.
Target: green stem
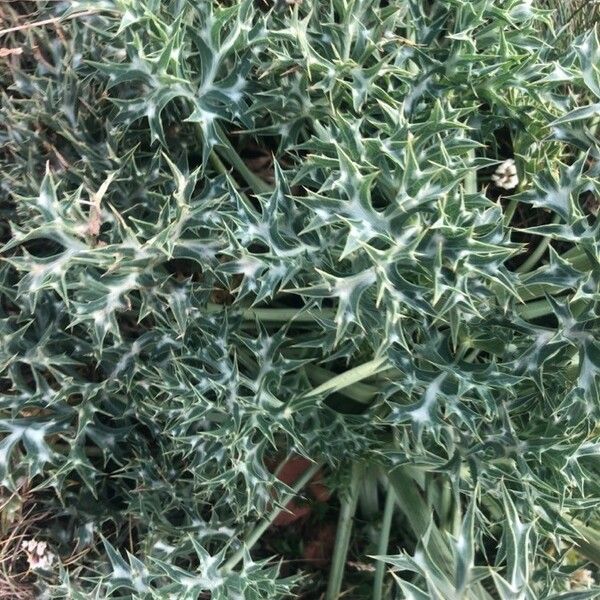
x: 537, y: 254
x: 577, y: 258
x: 368, y: 501
x: 218, y: 164
x: 360, y: 392
x: 445, y: 505
x: 349, y: 377
x: 285, y: 315
x: 589, y: 543
x: 279, y: 315
x: 228, y: 152
x: 384, y: 539
x: 418, y: 514
x: 263, y: 525
x: 510, y: 211
x: 540, y: 308
x: 471, y: 177
x: 342, y: 540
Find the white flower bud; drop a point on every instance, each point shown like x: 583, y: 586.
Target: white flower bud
x: 582, y: 579
x: 38, y: 556
x: 506, y: 175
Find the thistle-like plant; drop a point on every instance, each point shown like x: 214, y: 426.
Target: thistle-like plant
x: 175, y: 320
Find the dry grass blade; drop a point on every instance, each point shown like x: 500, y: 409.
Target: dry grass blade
x: 16, y: 591
x: 19, y: 523
x: 44, y: 22
x: 10, y: 52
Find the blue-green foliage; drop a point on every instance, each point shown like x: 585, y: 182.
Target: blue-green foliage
x: 170, y: 318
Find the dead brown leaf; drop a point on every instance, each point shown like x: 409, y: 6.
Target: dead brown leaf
x: 94, y: 221
x: 95, y: 214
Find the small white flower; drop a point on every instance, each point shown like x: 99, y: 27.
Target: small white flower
x: 506, y: 175
x: 37, y: 555
x: 582, y: 579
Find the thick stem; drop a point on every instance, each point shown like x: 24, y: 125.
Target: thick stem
x: 537, y: 254
x: 540, y: 308
x: 262, y: 526
x: 342, y: 540
x: 471, y: 177
x: 589, y: 544
x: 418, y: 514
x: 360, y: 392
x: 510, y: 212
x: 279, y: 315
x: 349, y: 377
x: 218, y: 164
x: 384, y: 540
x: 228, y: 152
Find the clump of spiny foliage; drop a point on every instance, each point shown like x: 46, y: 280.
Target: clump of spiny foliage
x: 174, y: 320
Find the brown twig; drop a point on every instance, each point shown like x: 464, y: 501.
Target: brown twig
x: 10, y: 52
x: 14, y: 579
x: 46, y: 22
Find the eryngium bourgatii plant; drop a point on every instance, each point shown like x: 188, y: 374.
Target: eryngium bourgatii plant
x: 173, y: 317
